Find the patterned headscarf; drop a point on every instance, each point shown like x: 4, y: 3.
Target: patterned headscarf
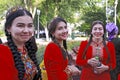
x: 112, y: 30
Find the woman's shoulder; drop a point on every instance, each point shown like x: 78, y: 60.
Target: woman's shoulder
x: 6, y: 54
x: 84, y: 42
x: 52, y: 50
x: 110, y: 44
x: 52, y: 47
x: 3, y: 46
x: 5, y: 50
x: 52, y: 44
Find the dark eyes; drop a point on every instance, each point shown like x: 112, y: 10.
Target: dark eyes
x: 23, y: 25
x: 60, y: 28
x: 98, y: 28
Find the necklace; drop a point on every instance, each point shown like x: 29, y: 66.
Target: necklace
x: 97, y: 48
x: 97, y: 44
x: 23, y: 51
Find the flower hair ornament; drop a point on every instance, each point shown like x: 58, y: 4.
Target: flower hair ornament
x: 13, y: 10
x: 112, y: 30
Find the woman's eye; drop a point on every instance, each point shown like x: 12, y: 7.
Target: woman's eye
x: 65, y: 27
x: 100, y: 28
x: 95, y: 28
x: 60, y: 28
x: 30, y: 25
x: 20, y: 25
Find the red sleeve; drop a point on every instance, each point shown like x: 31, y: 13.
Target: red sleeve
x: 80, y: 61
x: 7, y: 67
x: 112, y: 63
x: 54, y: 63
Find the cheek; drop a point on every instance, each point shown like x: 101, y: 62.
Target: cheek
x: 92, y: 32
x: 102, y: 32
x: 15, y: 34
x: 67, y: 31
x: 15, y: 31
x: 31, y: 30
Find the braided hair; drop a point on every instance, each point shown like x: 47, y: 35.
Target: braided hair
x: 30, y: 45
x: 104, y: 39
x: 0, y: 41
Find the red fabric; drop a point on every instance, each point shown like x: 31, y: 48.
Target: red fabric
x: 54, y: 62
x: 118, y: 76
x: 87, y: 71
x: 7, y: 66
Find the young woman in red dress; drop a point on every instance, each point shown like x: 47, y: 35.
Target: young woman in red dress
x: 56, y: 55
x: 20, y: 63
x: 96, y: 55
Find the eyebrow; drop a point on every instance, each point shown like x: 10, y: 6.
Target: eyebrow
x: 24, y: 23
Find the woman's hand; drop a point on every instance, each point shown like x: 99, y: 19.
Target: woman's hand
x: 72, y: 70
x: 101, y: 69
x: 93, y: 62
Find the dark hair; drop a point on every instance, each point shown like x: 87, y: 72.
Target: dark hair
x: 13, y: 13
x: 52, y: 27
x: 104, y: 38
x: 94, y: 23
x: 53, y: 24
x: 0, y: 41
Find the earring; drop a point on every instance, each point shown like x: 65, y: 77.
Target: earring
x: 9, y: 33
x: 53, y: 36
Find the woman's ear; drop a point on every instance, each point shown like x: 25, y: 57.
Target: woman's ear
x: 8, y: 30
x: 53, y: 35
x: 91, y: 33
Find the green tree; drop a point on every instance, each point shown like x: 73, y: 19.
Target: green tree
x: 92, y: 11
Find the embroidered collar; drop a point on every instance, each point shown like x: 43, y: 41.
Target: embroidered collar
x: 23, y: 51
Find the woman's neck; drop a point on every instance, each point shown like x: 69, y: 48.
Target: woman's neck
x: 19, y: 45
x: 97, y: 41
x: 60, y: 42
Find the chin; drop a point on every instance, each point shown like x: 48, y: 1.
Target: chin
x: 25, y: 40
x: 64, y: 38
x: 97, y: 37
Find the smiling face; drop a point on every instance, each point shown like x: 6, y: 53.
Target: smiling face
x: 61, y: 31
x: 21, y: 29
x: 97, y: 31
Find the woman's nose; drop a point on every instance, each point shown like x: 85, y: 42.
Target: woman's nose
x: 26, y: 29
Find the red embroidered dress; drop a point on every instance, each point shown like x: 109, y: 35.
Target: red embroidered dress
x: 55, y: 63
x: 87, y: 70
x: 8, y: 70
x: 30, y: 68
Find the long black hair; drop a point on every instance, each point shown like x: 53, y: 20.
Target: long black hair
x: 0, y: 41
x: 13, y: 13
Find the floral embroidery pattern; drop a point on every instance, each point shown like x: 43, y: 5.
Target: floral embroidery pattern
x: 30, y: 68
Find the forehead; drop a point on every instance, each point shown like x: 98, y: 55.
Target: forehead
x: 61, y: 23
x: 97, y: 26
x: 23, y: 19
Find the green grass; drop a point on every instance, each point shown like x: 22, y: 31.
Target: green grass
x: 71, y: 44
x: 40, y: 53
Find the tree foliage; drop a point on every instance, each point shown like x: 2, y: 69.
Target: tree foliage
x: 74, y: 11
